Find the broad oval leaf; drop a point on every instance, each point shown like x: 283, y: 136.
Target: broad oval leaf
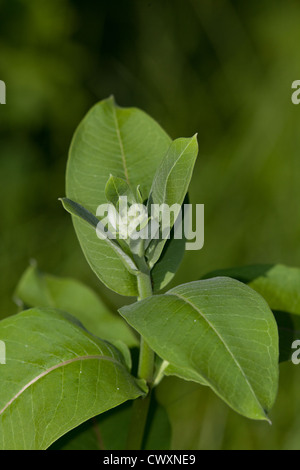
x: 38, y: 289
x: 56, y: 376
x: 124, y: 142
x: 219, y: 332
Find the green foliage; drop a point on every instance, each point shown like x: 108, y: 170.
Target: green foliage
x: 216, y: 332
x: 170, y: 186
x: 207, y: 327
x: 64, y: 377
x: 127, y: 144
x: 193, y: 67
x: 280, y: 286
x: 37, y: 289
x: 118, y: 187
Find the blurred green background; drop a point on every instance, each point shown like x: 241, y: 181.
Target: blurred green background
x: 222, y: 68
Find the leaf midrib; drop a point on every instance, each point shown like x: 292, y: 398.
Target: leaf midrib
x: 121, y: 144
x: 51, y: 369
x: 171, y: 169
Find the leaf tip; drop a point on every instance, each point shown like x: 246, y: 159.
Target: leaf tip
x: 268, y: 419
x: 64, y: 201
x: 111, y: 99
x: 195, y: 138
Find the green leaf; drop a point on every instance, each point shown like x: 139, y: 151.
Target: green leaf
x: 168, y: 263
x: 37, y: 289
x: 280, y: 286
x: 170, y: 259
x: 139, y: 196
x: 79, y: 211
x: 170, y: 186
x: 116, y: 188
x: 124, y: 142
x: 57, y: 376
x: 218, y: 331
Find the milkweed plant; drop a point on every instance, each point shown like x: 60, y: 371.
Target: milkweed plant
x: 70, y: 359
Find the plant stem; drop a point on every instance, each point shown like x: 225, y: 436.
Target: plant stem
x: 146, y: 362
x: 140, y: 406
x: 146, y: 359
x: 138, y: 422
x: 144, y: 285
